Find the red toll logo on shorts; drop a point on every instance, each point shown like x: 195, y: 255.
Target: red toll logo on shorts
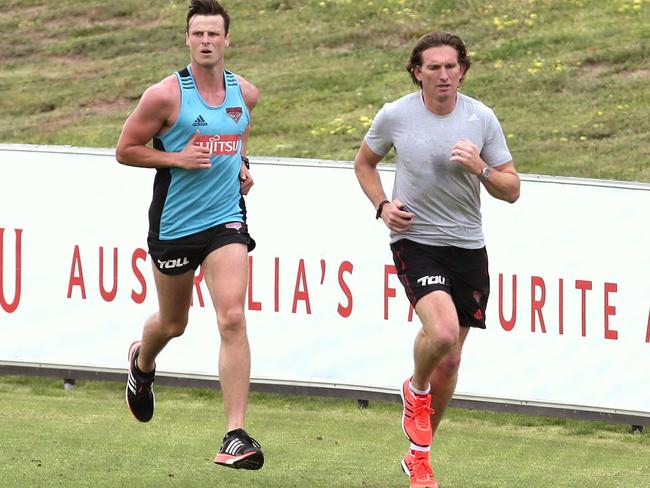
x: 220, y: 144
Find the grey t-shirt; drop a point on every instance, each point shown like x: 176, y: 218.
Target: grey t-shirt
x: 443, y: 195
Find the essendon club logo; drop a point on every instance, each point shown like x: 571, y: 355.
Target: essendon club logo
x: 234, y: 113
x: 220, y: 145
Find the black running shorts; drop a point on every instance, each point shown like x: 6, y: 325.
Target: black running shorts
x: 462, y: 273
x: 177, y: 256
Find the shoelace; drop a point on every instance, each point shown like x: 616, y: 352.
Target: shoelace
x: 242, y: 435
x: 421, y: 468
x: 252, y: 441
x: 143, y: 387
x: 421, y: 412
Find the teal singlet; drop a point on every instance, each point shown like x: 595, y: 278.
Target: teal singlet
x: 188, y: 201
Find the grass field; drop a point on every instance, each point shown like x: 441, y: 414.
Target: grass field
x: 567, y: 78
x: 87, y: 438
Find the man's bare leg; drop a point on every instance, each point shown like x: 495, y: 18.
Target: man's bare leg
x: 174, y: 293
x: 443, y: 380
x: 437, y: 337
x: 174, y: 298
x: 226, y: 275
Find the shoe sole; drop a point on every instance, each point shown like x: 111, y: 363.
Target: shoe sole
x: 132, y: 349
x: 404, y: 468
x: 252, y: 461
x: 401, y: 394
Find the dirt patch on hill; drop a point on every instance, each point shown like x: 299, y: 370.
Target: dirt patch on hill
x: 636, y: 74
x: 597, y: 70
x: 118, y: 105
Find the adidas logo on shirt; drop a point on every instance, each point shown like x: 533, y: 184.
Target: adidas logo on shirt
x: 200, y: 121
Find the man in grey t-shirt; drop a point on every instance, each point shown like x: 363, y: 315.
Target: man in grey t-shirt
x: 447, y: 144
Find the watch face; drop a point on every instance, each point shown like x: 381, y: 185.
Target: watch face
x: 486, y: 172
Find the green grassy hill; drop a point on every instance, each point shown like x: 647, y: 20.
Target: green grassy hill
x: 567, y: 78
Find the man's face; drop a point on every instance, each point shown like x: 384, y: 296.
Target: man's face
x: 207, y: 39
x: 440, y: 73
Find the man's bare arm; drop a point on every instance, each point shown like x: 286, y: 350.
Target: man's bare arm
x: 150, y: 116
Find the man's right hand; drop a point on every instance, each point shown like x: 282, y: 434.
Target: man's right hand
x: 396, y: 217
x: 193, y: 155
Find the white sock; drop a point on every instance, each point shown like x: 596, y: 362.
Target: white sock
x: 415, y: 447
x: 419, y: 392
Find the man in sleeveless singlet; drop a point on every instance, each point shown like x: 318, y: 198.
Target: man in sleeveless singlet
x: 446, y: 145
x: 198, y: 120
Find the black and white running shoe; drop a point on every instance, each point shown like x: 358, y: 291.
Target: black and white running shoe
x: 240, y: 451
x: 139, y: 390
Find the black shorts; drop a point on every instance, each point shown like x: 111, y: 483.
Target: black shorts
x: 462, y: 273
x: 176, y: 256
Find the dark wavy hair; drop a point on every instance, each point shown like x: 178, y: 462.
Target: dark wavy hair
x: 206, y: 7
x: 435, y: 39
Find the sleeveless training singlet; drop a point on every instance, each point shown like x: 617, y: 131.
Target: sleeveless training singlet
x: 188, y: 201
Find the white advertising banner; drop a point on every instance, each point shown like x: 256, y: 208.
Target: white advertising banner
x: 568, y: 318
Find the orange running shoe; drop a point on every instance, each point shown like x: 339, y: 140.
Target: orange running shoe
x: 416, y: 465
x: 416, y: 418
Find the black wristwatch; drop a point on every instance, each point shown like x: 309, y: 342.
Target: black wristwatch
x: 380, y: 208
x: 244, y: 160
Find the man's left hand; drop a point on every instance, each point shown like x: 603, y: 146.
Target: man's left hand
x: 245, y: 180
x: 466, y: 153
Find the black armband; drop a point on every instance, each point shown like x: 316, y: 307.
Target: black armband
x: 380, y: 208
